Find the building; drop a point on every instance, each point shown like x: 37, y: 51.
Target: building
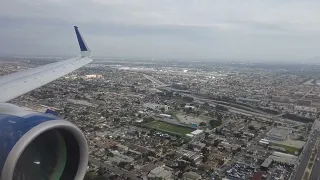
x: 278, y: 134
x: 284, y: 158
x: 162, y: 172
x: 190, y: 135
x: 266, y: 163
x: 306, y: 109
x: 303, y: 102
x: 264, y: 142
x: 197, y: 132
x: 118, y: 157
x: 155, y: 106
x: 191, y: 176
x: 94, y: 76
x: 282, y: 99
x: 188, y: 107
x: 257, y: 176
x: 196, y: 157
x: 198, y: 145
x: 165, y: 115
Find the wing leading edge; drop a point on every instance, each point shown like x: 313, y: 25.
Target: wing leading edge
x: 19, y: 83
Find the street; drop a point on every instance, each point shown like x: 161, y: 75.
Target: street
x: 315, y: 173
x: 303, y: 161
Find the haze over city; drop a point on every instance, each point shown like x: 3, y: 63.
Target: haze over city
x: 159, y: 90
x: 219, y: 29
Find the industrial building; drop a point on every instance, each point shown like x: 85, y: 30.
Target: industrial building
x: 283, y: 158
x: 278, y: 134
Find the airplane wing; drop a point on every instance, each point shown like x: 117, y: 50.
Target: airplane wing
x: 19, y: 83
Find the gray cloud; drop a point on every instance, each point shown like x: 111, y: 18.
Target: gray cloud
x: 163, y: 29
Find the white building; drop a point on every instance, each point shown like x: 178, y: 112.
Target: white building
x: 197, y: 132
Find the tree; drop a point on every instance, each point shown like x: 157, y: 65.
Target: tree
x: 106, y: 114
x: 206, y: 135
x: 148, y: 119
x: 300, y: 138
x: 164, y: 149
x: 187, y: 98
x: 181, y: 165
x: 216, y: 143
x: 90, y: 176
x: 237, y: 135
x: 221, y: 162
x: 136, y: 133
x: 205, y: 158
x: 251, y: 128
x: 101, y: 178
x: 221, y: 108
x: 162, y: 109
x: 152, y: 131
x: 219, y: 117
x: 188, y: 110
x: 109, y: 153
x: 205, y: 151
x: 214, y: 123
x: 77, y: 96
x: 101, y: 171
x: 151, y: 153
x: 202, y: 124
x: 263, y: 128
x: 190, y: 147
x: 96, y: 128
x: 122, y: 164
x: 139, y: 115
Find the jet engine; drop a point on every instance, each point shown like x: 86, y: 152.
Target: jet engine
x: 40, y: 146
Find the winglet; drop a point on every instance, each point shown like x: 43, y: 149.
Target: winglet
x: 85, y: 51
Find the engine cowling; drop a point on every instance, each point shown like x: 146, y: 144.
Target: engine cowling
x: 40, y: 146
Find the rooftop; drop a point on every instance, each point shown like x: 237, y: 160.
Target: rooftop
x: 196, y: 132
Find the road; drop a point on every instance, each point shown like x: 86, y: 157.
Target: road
x: 114, y: 169
x: 263, y: 116
x: 246, y: 110
x: 304, y: 159
x: 304, y: 95
x: 315, y: 173
x: 154, y: 80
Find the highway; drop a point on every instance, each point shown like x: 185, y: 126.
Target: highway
x: 154, y: 80
x: 315, y: 173
x: 263, y: 116
x: 304, y: 159
x: 246, y: 110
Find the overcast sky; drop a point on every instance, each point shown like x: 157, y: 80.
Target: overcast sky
x: 231, y: 29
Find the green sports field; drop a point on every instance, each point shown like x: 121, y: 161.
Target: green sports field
x: 163, y: 126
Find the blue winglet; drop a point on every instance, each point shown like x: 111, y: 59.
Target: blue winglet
x: 85, y: 51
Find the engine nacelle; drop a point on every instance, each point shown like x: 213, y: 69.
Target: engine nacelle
x: 40, y: 146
